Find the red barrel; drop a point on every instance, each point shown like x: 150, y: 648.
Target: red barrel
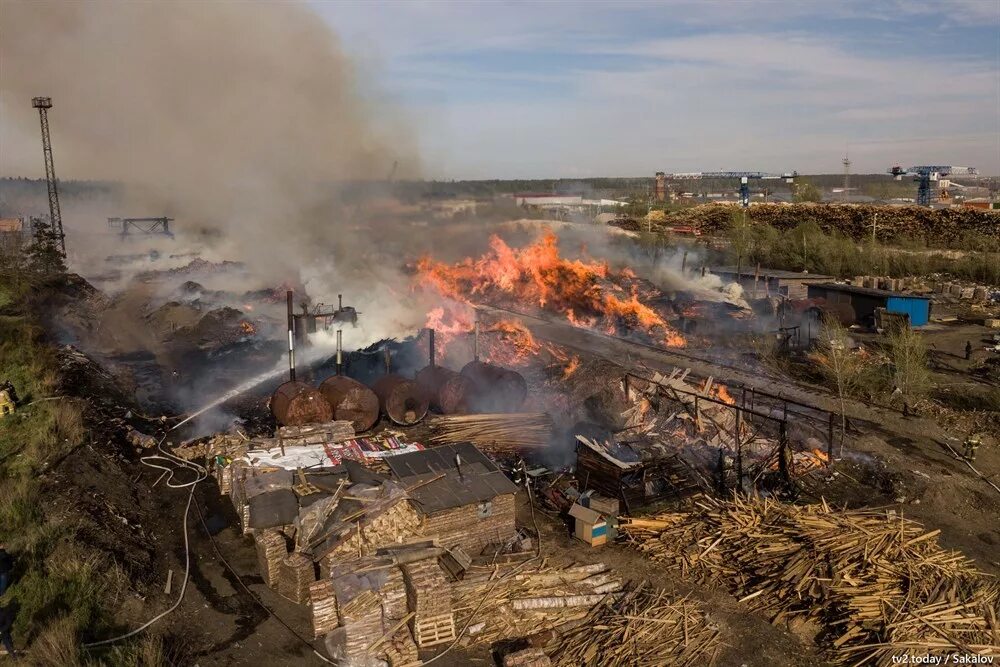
x: 351, y: 401
x: 497, y: 389
x: 449, y: 392
x: 402, y: 400
x: 296, y: 403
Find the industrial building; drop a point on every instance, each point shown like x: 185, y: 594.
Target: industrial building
x: 864, y: 301
x: 770, y: 282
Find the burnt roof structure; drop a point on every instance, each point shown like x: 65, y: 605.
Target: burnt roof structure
x: 476, y: 479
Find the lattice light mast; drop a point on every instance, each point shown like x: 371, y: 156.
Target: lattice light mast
x: 43, y: 104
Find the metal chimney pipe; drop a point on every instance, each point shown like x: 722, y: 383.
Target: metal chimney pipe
x: 291, y: 335
x: 340, y: 302
x: 475, y: 348
x: 431, y: 345
x: 340, y: 353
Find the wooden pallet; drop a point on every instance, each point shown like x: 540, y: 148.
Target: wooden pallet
x: 434, y: 630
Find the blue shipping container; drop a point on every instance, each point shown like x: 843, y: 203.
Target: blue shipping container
x: 918, y: 309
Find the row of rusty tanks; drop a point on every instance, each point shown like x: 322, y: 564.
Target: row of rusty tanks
x: 479, y: 387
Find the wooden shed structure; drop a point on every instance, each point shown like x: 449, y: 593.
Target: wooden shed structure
x: 758, y: 283
x: 463, y: 498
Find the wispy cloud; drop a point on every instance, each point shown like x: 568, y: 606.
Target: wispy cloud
x: 516, y: 89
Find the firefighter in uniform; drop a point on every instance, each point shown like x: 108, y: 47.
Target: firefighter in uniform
x: 8, y: 398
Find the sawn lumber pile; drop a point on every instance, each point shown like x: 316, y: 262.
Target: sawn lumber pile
x: 879, y: 585
x: 502, y: 430
x: 854, y: 220
x: 644, y: 627
x: 507, y: 602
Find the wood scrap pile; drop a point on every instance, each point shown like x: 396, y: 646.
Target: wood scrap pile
x: 314, y: 434
x: 494, y: 431
x: 879, y: 585
x: 506, y: 602
x: 940, y: 226
x: 644, y: 627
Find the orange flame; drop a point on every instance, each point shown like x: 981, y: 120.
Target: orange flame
x: 586, y: 293
x: 721, y: 392
x: 248, y: 327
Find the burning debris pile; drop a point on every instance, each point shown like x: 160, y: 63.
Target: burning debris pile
x: 877, y: 584
x: 586, y: 293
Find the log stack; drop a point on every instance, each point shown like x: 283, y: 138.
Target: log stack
x: 938, y: 227
x: 645, y: 627
x: 879, y: 584
x: 500, y: 603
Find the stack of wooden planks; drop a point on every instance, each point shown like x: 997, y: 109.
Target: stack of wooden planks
x: 510, y: 601
x: 296, y: 573
x: 644, y: 627
x: 879, y: 584
x: 516, y: 430
x: 429, y: 598
x: 323, y: 607
x: 272, y: 549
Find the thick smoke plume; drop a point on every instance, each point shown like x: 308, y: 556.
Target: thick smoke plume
x: 242, y: 119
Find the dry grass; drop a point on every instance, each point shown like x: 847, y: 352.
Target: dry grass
x: 57, y: 646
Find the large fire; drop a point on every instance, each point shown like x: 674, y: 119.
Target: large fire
x: 587, y: 293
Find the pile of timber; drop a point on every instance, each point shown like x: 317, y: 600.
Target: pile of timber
x: 879, y: 585
x: 325, y: 433
x: 645, y: 626
x: 853, y: 220
x: 515, y: 430
x: 429, y: 598
x: 272, y: 549
x: 295, y: 575
x: 323, y: 609
x: 508, y: 602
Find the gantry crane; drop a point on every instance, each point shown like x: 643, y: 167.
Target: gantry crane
x: 926, y: 173
x: 744, y: 176
x: 43, y: 104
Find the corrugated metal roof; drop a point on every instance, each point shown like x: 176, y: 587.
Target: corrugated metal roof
x: 866, y: 291
x: 769, y: 273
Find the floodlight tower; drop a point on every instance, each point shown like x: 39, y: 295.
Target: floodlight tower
x: 43, y: 104
x: 847, y: 178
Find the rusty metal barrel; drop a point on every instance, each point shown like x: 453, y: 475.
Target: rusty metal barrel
x: 351, y: 401
x: 402, y: 400
x: 497, y: 389
x: 296, y: 403
x: 449, y: 392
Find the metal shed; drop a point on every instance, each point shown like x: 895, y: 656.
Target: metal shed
x: 865, y: 300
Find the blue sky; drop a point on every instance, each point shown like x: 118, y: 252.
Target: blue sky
x: 574, y: 89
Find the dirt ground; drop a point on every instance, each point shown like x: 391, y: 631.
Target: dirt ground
x: 889, y: 460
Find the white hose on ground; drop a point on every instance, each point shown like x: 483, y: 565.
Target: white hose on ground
x: 201, y: 473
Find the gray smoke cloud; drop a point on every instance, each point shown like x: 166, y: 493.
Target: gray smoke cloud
x: 242, y: 118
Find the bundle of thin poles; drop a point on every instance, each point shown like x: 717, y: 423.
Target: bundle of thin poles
x: 515, y: 430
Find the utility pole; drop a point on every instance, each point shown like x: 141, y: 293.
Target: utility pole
x: 43, y: 104
x: 847, y: 177
x: 874, y: 222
